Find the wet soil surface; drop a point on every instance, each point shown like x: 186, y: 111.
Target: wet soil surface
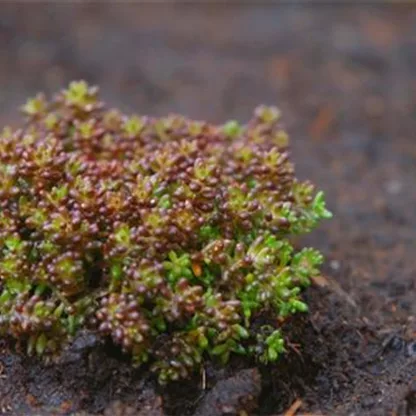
x: 344, y: 78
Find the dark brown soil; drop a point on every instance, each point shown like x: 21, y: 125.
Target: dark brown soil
x: 345, y: 79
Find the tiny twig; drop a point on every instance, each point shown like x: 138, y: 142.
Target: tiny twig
x: 293, y: 408
x: 204, y: 378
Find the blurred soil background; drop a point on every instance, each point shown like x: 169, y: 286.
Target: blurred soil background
x: 344, y: 77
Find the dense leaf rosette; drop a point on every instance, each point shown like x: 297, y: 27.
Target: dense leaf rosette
x: 168, y: 235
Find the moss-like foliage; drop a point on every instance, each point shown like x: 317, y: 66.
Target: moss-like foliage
x: 170, y: 236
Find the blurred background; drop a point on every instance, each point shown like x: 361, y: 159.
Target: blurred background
x: 344, y: 77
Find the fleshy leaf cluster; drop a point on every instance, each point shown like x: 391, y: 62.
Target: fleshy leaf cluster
x: 168, y: 236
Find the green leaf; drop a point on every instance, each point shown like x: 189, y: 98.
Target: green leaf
x: 299, y: 306
x: 13, y: 243
x: 319, y: 208
x: 203, y: 341
x: 5, y: 297
x: 17, y: 286
x: 40, y: 289
x: 31, y: 344
x: 133, y: 125
x: 72, y: 324
x: 272, y: 354
x: 239, y: 349
x: 241, y: 331
x: 219, y: 349
x: 268, y: 114
x: 41, y: 344
x: 164, y: 202
x: 159, y: 323
x: 232, y: 128
x: 122, y: 235
x: 208, y: 232
x: 59, y: 310
x: 78, y: 94
x: 34, y: 106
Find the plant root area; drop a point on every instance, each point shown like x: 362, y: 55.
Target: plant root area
x: 344, y: 79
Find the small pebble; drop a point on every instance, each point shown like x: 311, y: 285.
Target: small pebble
x: 411, y: 349
x: 394, y: 187
x: 334, y: 264
x: 396, y: 343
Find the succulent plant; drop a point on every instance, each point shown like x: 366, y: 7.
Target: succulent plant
x: 169, y: 236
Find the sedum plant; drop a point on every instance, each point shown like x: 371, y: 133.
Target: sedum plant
x: 169, y: 236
